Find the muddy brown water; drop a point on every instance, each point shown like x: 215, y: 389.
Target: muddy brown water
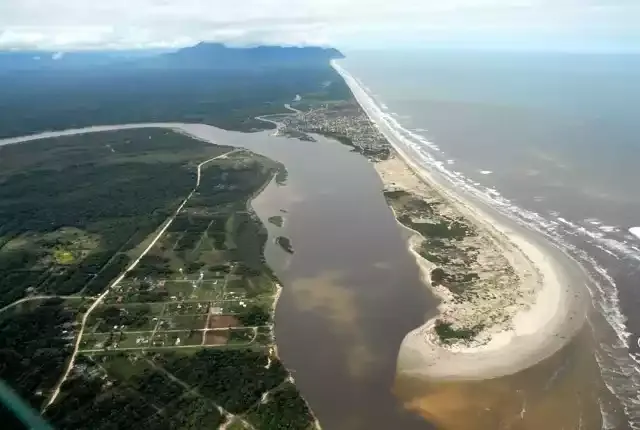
x: 562, y: 392
x: 351, y: 291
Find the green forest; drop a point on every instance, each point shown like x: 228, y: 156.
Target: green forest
x: 36, y: 101
x: 184, y: 341
x: 95, y: 195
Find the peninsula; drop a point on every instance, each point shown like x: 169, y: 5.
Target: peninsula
x: 505, y: 301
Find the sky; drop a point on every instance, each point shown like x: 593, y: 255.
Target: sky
x: 355, y: 24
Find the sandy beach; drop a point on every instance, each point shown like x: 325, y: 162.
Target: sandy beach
x: 547, y: 306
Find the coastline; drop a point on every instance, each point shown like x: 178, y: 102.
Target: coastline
x: 539, y: 328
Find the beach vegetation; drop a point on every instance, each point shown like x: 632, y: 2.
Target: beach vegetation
x: 425, y: 252
x: 438, y: 276
x: 470, y: 277
x: 406, y: 202
x: 444, y: 229
x: 448, y: 334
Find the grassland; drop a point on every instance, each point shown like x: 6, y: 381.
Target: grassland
x: 185, y: 339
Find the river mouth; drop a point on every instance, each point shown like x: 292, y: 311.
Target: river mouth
x: 563, y: 391
x: 351, y: 292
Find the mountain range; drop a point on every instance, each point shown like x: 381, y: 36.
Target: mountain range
x: 203, y: 55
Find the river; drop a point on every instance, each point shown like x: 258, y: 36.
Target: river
x: 351, y: 289
x: 351, y: 292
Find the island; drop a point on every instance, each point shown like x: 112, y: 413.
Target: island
x: 277, y: 220
x: 285, y: 243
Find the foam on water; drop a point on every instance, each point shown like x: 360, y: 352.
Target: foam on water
x: 607, y: 422
x: 619, y: 369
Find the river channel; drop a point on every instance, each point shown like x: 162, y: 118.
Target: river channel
x: 351, y: 289
x: 351, y: 292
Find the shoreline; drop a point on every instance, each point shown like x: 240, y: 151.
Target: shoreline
x: 554, y: 315
x: 274, y: 278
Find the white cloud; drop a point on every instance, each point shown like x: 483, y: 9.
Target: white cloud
x: 67, y: 24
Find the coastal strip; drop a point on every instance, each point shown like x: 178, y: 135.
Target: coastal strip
x: 545, y: 306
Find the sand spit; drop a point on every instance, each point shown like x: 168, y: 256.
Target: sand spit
x: 547, y: 308
x: 542, y: 317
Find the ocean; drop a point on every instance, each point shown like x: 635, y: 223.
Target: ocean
x: 552, y: 140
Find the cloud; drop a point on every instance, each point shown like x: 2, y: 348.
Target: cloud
x: 83, y: 24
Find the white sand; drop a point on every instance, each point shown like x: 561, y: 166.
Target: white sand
x: 536, y: 331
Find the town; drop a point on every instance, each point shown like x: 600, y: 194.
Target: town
x: 344, y: 121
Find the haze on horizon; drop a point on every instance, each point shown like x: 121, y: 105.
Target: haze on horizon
x: 358, y: 24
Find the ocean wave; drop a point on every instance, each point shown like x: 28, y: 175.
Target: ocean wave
x: 558, y: 230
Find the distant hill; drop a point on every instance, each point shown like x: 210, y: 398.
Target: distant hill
x: 219, y: 56
x: 201, y: 56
